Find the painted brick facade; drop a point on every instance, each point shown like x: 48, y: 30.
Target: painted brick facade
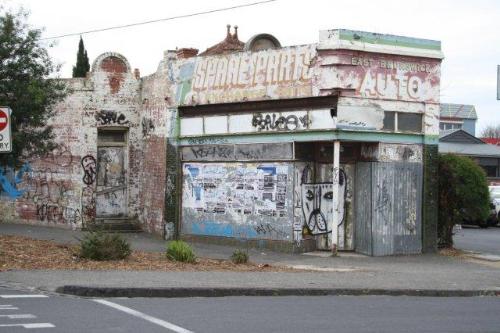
x: 132, y: 148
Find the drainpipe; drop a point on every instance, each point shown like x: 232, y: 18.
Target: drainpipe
x: 335, y: 197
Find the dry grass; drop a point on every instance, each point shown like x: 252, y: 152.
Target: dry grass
x: 25, y: 253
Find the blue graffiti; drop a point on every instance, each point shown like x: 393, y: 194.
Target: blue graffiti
x: 270, y: 170
x: 209, y: 228
x: 10, y: 187
x: 194, y: 171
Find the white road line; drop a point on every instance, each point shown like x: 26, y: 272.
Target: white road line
x: 32, y: 325
x: 19, y: 316
x: 9, y: 308
x: 23, y: 296
x: 144, y: 316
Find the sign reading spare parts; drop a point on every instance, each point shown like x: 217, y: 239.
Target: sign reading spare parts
x: 5, y: 137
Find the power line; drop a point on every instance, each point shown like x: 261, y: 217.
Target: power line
x: 160, y: 20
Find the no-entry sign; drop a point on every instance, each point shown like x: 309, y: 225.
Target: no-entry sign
x: 5, y: 137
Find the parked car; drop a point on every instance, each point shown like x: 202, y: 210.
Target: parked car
x: 491, y: 220
x: 494, y: 216
x: 495, y: 199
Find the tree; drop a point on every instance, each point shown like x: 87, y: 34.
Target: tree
x: 82, y: 61
x: 491, y: 131
x: 25, y: 67
x: 463, y: 194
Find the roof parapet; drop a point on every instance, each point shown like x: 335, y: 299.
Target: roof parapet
x: 379, y: 43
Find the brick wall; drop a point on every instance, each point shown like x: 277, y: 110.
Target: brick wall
x: 59, y: 189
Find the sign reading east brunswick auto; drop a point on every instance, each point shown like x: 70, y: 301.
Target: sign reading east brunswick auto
x: 5, y: 137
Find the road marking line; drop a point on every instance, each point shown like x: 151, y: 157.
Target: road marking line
x: 33, y: 325
x: 23, y: 296
x: 10, y: 308
x: 144, y: 316
x: 19, y: 316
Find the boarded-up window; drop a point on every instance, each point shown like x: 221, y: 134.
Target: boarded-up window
x: 115, y: 136
x: 409, y: 122
x: 389, y: 124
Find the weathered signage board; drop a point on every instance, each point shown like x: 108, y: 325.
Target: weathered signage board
x: 382, y: 76
x: 5, y: 135
x: 246, y: 76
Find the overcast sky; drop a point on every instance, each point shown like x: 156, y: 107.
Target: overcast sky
x: 469, y: 32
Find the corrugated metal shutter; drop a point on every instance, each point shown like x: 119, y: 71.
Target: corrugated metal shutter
x: 388, y: 213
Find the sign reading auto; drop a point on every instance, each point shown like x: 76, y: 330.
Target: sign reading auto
x: 5, y: 137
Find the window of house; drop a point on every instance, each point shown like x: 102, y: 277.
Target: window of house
x: 491, y: 171
x: 449, y: 126
x: 402, y: 122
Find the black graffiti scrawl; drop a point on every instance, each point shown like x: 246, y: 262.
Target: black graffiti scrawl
x: 108, y: 117
x: 89, y: 169
x: 317, y: 204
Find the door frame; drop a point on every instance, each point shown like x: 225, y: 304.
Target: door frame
x: 124, y: 145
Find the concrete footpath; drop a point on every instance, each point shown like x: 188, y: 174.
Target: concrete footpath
x: 347, y: 274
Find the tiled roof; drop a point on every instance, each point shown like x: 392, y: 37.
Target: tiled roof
x: 462, y: 111
x: 230, y: 44
x: 458, y: 136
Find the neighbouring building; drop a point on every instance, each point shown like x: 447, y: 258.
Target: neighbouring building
x: 330, y: 145
x: 492, y: 141
x: 487, y: 156
x: 457, y: 116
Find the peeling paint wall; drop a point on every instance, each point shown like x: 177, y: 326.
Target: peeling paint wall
x: 248, y: 76
x: 372, y: 75
x: 59, y: 189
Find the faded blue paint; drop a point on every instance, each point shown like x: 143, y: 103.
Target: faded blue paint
x: 185, y: 76
x: 10, y: 186
x: 211, y: 228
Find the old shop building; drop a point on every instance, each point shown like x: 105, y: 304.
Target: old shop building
x: 327, y: 145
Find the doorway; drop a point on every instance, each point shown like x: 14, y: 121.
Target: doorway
x: 112, y: 161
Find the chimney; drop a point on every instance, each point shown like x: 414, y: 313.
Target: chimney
x: 185, y: 53
x: 137, y: 73
x: 235, y: 36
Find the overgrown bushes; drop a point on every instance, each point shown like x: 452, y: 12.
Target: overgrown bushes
x: 180, y: 251
x: 463, y: 194
x: 97, y: 245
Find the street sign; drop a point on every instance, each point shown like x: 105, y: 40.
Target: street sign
x: 5, y: 137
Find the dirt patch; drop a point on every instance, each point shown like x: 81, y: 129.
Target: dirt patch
x: 18, y: 252
x: 452, y: 252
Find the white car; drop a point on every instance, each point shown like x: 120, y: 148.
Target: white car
x: 495, y: 198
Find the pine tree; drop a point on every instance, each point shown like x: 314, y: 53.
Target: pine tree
x: 82, y: 61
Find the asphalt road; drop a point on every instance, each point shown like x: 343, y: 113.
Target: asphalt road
x: 475, y: 239
x: 55, y: 313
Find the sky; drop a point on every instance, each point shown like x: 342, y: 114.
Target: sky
x: 468, y: 30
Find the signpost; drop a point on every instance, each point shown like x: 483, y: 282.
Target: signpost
x: 498, y: 82
x: 5, y: 135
